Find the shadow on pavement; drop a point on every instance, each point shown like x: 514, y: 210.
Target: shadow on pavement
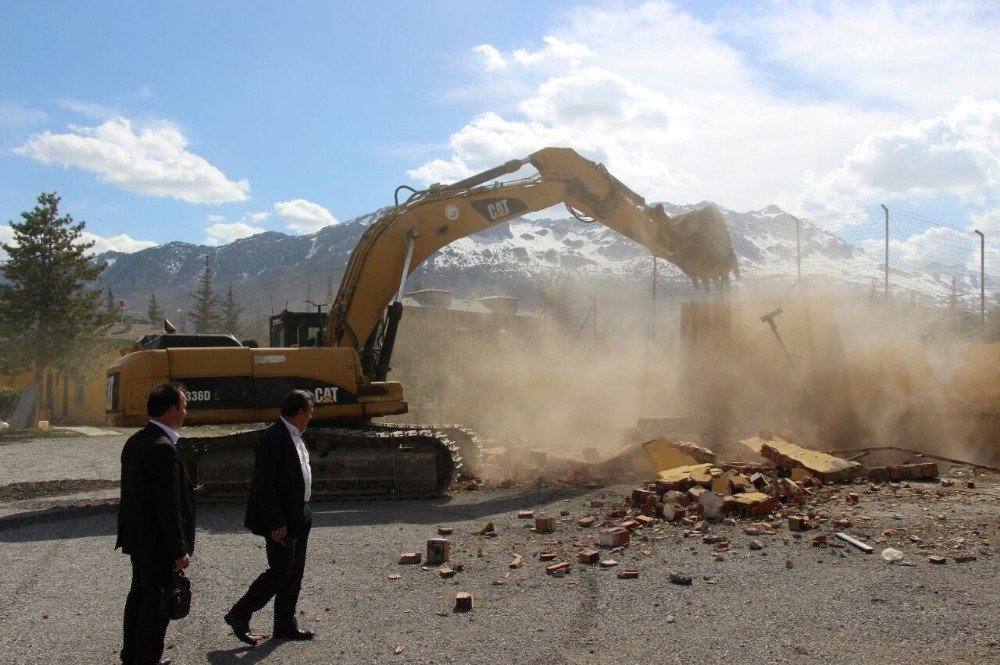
x: 243, y: 654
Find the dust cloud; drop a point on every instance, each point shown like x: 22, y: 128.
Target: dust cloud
x: 852, y: 374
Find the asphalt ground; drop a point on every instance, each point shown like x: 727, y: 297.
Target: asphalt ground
x: 62, y: 585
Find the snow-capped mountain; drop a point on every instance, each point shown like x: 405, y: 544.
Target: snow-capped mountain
x: 271, y: 270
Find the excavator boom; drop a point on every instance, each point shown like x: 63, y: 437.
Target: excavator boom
x: 400, y: 240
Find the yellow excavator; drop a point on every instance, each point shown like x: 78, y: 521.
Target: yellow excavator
x: 352, y: 455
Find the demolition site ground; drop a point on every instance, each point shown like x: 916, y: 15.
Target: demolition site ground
x: 683, y: 588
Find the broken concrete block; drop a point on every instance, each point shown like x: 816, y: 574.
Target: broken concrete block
x: 712, y: 504
x: 589, y: 556
x: 445, y: 530
x: 445, y: 572
x: 852, y: 497
x: 484, y: 528
x: 683, y: 477
x: 675, y: 496
x: 410, y: 557
x: 759, y: 480
x: 677, y: 578
x: 798, y: 523
x: 438, y: 550
x: 525, y: 514
x: 695, y: 493
x: 642, y: 496
x: 463, y: 602
x: 825, y: 467
x: 517, y: 561
x: 586, y: 522
x: 608, y: 563
x: 614, y: 537
x: 545, y: 524
x: 673, y: 512
x: 753, y: 504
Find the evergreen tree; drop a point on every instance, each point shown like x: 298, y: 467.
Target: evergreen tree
x: 204, y: 313
x: 230, y: 314
x: 49, y: 316
x: 956, y: 320
x: 153, y: 311
x: 110, y: 304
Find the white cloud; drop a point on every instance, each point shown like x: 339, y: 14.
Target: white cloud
x: 89, y: 109
x: 221, y: 232
x: 304, y: 216
x: 152, y: 161
x: 988, y: 221
x: 13, y: 114
x: 919, y: 55
x: 119, y: 243
x: 937, y: 245
x: 555, y: 49
x: 957, y: 153
x: 492, y: 58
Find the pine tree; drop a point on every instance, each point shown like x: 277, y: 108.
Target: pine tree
x: 109, y: 304
x: 49, y: 316
x: 230, y: 314
x: 956, y: 318
x: 153, y: 311
x: 204, y: 313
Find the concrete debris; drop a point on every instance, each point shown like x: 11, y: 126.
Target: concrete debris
x: 463, y: 602
x: 884, y: 474
x: 410, y: 558
x: 608, y: 563
x: 628, y: 574
x: 827, y: 468
x: 614, y: 537
x: 677, y: 578
x: 438, y: 550
x: 589, y: 556
x: 525, y: 514
x: 445, y: 530
x: 517, y: 561
x: 586, y: 522
x: 485, y: 528
x: 545, y: 524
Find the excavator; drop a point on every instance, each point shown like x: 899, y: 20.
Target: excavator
x: 353, y: 454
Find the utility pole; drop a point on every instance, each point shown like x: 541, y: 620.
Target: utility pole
x: 982, y: 286
x: 886, y: 294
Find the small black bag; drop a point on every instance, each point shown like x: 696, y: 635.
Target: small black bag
x: 176, y: 600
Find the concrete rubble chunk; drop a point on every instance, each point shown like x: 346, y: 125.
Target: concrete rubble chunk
x: 586, y: 522
x: 484, y: 528
x: 824, y: 467
x: 712, y: 503
x: 614, y: 537
x: 463, y: 602
x: 589, y: 556
x: 517, y: 561
x: 410, y: 557
x: 683, y: 477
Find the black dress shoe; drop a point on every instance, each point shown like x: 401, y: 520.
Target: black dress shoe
x: 241, y: 629
x: 294, y: 634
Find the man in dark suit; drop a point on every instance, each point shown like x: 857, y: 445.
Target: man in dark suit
x: 278, y: 510
x: 155, y: 521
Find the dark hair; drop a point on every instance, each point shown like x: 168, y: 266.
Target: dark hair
x: 295, y: 401
x: 163, y: 397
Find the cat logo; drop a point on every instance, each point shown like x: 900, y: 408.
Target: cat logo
x: 325, y: 395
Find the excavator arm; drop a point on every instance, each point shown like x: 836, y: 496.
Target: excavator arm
x: 367, y: 308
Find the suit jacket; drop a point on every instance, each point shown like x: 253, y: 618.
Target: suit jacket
x: 156, y: 511
x: 277, y: 493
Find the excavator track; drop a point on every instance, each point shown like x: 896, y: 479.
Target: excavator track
x: 372, y: 463
x: 469, y: 444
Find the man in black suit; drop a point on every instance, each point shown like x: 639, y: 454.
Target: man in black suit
x: 155, y: 521
x: 278, y: 510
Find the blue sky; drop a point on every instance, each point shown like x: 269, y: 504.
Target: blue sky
x: 209, y: 121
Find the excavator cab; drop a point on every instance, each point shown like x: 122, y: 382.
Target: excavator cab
x: 288, y: 329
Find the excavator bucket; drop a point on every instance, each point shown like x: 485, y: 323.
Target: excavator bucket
x: 702, y: 246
